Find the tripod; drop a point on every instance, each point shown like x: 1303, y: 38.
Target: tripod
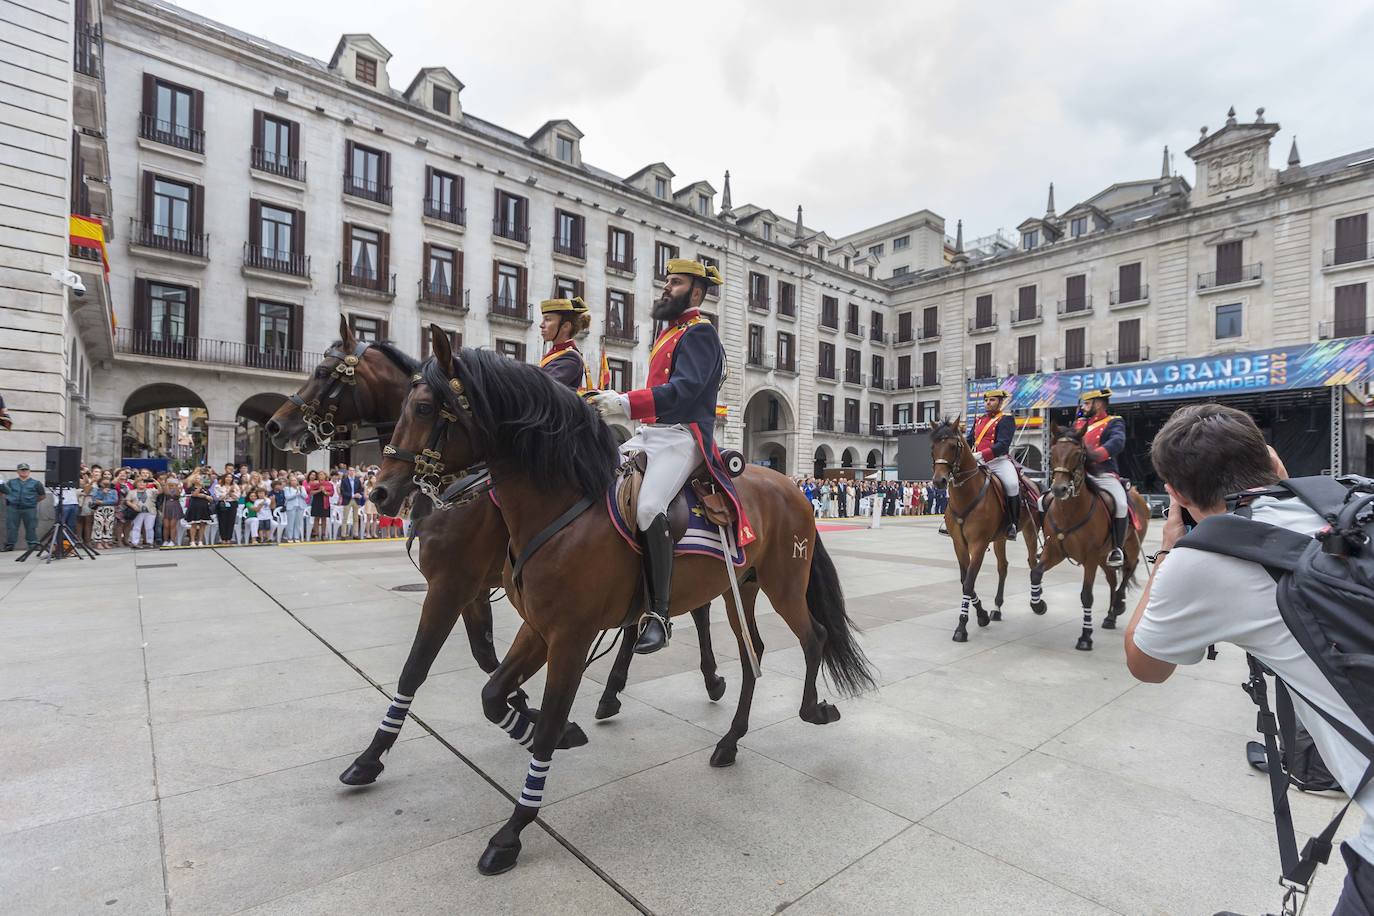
x: 52, y: 540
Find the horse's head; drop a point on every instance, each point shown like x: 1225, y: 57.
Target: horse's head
x: 347, y: 388
x: 433, y: 442
x: 1068, y: 462
x: 947, y: 448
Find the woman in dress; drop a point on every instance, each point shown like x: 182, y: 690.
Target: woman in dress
x: 370, y: 516
x: 172, y: 513
x: 321, y: 492
x: 198, y: 511
x: 226, y: 508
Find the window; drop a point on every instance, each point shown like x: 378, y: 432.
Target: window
x: 443, y: 268
x: 1026, y: 306
x: 663, y: 253
x: 787, y: 299
x: 1352, y: 239
x: 620, y: 316
x: 366, y: 70
x: 876, y: 377
x: 567, y: 288
x: 1229, y: 321
x: 930, y: 374
x: 1228, y: 263
x: 276, y: 146
x: 820, y: 252
x: 1075, y: 293
x: 276, y: 231
x: 927, y: 411
x: 275, y: 239
x: 442, y: 99
x: 1075, y: 348
x: 982, y: 312
x: 901, y: 271
x: 367, y: 328
x: 620, y: 250
x: 1128, y: 283
x: 274, y: 326
x: 774, y: 418
x: 904, y: 371
x: 569, y: 233
x: 930, y: 322
x: 563, y: 148
x: 852, y: 358
x: 1350, y: 311
x: 1078, y: 226
x: 1029, y: 239
x: 444, y: 196
x: 851, y: 325
x: 876, y: 250
x: 1025, y: 356
x: 172, y: 114
x: 171, y: 210
x: 703, y: 205
x: 512, y: 217
x: 786, y: 350
x: 767, y: 231
x: 165, y: 319
x: 758, y: 292
x: 365, y: 254
x: 509, y: 290
x: 661, y: 188
x: 621, y: 380
x: 825, y: 360
x: 368, y: 174
x: 274, y: 335
x: 904, y: 332
x: 875, y: 326
x: 756, y: 345
x: 511, y: 349
x: 901, y: 414
x: 712, y: 292
x: 455, y: 341
x: 830, y: 312
x: 1128, y: 341
x: 825, y: 412
x: 900, y: 242
x: 982, y: 361
x: 851, y: 415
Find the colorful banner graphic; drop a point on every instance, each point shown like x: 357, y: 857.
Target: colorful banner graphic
x: 1328, y: 362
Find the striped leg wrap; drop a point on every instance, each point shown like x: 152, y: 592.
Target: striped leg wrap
x: 519, y: 727
x: 963, y: 608
x: 1036, y: 591
x: 396, y: 714
x: 532, y: 796
x: 1088, y: 619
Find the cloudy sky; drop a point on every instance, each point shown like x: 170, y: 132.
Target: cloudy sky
x: 865, y: 111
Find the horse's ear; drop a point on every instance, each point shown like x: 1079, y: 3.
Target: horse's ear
x: 346, y: 334
x: 441, y: 348
x: 1054, y: 429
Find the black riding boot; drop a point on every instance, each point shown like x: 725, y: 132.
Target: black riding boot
x: 1014, y: 516
x: 657, y: 545
x: 1116, y: 558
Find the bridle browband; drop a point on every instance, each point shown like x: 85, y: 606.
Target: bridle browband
x: 954, y: 479
x: 322, y: 425
x: 444, y: 489
x: 1076, y: 475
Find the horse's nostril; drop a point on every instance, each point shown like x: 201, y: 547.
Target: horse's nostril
x: 273, y: 427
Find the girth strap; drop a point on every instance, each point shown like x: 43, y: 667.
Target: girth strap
x: 540, y: 539
x: 987, y: 482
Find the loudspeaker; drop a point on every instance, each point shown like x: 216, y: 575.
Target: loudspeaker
x: 64, y: 466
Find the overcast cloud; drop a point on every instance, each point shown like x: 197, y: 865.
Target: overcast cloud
x: 863, y: 112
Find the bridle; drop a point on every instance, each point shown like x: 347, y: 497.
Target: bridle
x: 954, y: 479
x: 1076, y: 475
x: 322, y: 425
x: 432, y: 477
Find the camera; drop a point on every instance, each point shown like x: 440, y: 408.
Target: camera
x: 70, y: 280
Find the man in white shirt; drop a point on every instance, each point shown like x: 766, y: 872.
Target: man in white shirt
x: 1195, y: 599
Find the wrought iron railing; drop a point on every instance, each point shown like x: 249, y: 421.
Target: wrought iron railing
x: 1230, y: 276
x: 182, y: 136
x: 283, y: 262
x: 265, y: 160
x: 365, y: 278
x: 168, y: 238
x: 367, y: 188
x: 142, y: 342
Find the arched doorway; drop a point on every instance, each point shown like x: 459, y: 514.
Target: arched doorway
x: 849, y: 458
x: 875, y: 460
x: 823, y: 459
x: 772, y: 455
x: 251, y: 446
x: 165, y: 421
x: 768, y: 421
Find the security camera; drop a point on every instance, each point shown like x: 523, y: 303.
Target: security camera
x: 70, y: 280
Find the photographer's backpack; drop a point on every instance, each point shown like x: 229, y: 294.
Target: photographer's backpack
x: 1325, y: 592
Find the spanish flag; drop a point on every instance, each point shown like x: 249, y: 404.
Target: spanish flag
x: 605, y: 381
x: 89, y: 233
x: 722, y: 412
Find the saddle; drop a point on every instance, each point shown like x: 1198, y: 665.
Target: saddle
x: 1110, y: 501
x: 713, y: 504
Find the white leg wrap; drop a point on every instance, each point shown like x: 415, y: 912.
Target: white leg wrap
x: 532, y: 795
x: 396, y: 713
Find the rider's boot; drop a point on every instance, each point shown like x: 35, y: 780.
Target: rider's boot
x: 657, y: 545
x: 1117, y: 558
x: 1014, y: 517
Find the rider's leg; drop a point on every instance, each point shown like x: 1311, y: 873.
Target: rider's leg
x: 1110, y: 483
x: 1005, y: 470
x: 672, y: 456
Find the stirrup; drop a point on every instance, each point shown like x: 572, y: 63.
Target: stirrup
x: 1116, y: 558
x: 642, y: 644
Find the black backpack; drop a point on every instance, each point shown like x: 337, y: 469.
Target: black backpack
x: 1326, y: 597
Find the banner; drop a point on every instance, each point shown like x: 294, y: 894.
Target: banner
x: 88, y: 233
x: 1329, y: 362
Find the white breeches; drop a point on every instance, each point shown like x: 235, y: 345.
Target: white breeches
x: 1005, y: 471
x: 672, y: 456
x: 1111, y: 484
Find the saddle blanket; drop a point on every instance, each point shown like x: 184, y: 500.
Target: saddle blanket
x: 701, y: 538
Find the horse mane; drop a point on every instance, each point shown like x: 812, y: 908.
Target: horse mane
x: 402, y: 360
x: 947, y: 428
x: 524, y: 418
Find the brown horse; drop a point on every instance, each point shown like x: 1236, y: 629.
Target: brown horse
x: 1078, y: 527
x: 572, y: 575
x: 975, y: 519
x: 462, y: 550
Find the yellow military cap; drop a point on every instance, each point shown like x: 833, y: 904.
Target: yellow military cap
x: 695, y: 269
x: 997, y: 393
x: 575, y: 306
x: 1097, y: 393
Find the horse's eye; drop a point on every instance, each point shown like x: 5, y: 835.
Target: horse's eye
x: 424, y: 410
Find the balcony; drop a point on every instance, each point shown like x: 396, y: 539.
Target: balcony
x: 873, y: 431
x: 364, y: 281
x: 367, y: 189
x: 620, y: 335
x: 788, y: 367
x: 828, y: 324
x: 88, y: 50
x: 979, y: 373
x: 857, y: 379
x: 903, y: 383
x: 1024, y: 315
x: 825, y: 424
x: 1127, y: 298
x: 1120, y: 357
x: 624, y: 268
x: 274, y: 163
x: 511, y: 232
x: 1027, y: 367
x: 444, y: 296
x: 928, y: 334
x: 878, y: 383
x: 855, y: 330
x: 178, y: 136
x: 787, y: 308
x: 443, y: 212
x: 1345, y: 327
x: 272, y: 261
x: 852, y: 428
x: 1245, y: 275
x: 758, y: 304
x: 877, y: 336
x: 905, y: 339
x: 1075, y: 307
x: 754, y: 360
x: 507, y: 310
x: 1081, y: 361
x: 570, y: 248
x: 987, y: 325
x: 929, y: 380
x: 826, y: 373
x: 1348, y: 254
x: 179, y: 243
x: 136, y: 342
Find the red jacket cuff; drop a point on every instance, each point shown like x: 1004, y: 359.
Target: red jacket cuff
x: 985, y: 453
x: 641, y: 404
x: 1100, y: 454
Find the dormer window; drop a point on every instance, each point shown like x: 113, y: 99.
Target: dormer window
x: 443, y: 100
x: 820, y: 252
x: 563, y: 149
x: 703, y: 205
x: 767, y: 232
x: 1029, y: 239
x: 1078, y: 226
x: 661, y: 188
x: 366, y: 70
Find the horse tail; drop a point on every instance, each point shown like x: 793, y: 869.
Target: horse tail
x: 846, y: 666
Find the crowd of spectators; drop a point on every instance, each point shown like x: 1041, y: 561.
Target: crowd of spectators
x: 842, y: 497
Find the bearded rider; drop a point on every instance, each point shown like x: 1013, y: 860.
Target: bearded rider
x: 1104, y: 436
x: 678, y: 409
x: 991, y: 438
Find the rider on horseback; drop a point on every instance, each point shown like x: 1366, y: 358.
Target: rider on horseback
x: 678, y: 407
x: 991, y: 438
x: 1104, y: 436
x: 564, y: 319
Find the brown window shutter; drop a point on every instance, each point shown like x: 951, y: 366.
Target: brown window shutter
x: 459, y: 193
x: 348, y: 158
x: 629, y: 310
x: 197, y: 109
x: 382, y: 329
x: 1075, y: 286
x: 610, y: 243
x: 250, y: 324
x: 193, y: 313
x: 142, y: 305
x: 259, y: 130
x: 495, y: 282
x: 384, y: 260
x: 149, y: 94
x: 458, y: 276
x: 294, y: 143
x: 297, y: 331
x: 524, y: 291
x: 346, y: 265
x: 630, y: 250
x: 197, y: 210
x: 429, y: 182
x: 148, y: 179
x: 255, y: 222
x: 298, y: 236
x: 384, y: 173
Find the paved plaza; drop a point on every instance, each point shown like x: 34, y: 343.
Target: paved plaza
x: 175, y: 722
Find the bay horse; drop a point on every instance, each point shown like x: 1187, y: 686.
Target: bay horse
x: 462, y: 550
x: 572, y: 575
x: 975, y: 519
x: 1078, y: 527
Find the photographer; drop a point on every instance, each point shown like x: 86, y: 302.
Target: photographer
x: 1195, y: 599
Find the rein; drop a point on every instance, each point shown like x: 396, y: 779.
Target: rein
x: 955, y: 480
x: 322, y: 425
x: 1076, y: 485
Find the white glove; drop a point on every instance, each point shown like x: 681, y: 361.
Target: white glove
x: 610, y: 404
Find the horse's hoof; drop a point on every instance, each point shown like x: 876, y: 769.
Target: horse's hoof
x: 960, y: 633
x: 1084, y: 644
x: 497, y: 860
x: 362, y: 773
x: 573, y: 736
x: 1039, y: 607
x: 982, y: 616
x: 996, y: 614
x: 724, y: 755
x: 821, y: 714
x: 607, y: 708
x: 715, y: 687
x: 1109, y: 622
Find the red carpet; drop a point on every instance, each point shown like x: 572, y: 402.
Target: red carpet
x: 828, y: 526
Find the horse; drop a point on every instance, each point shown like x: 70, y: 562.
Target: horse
x: 1078, y: 527
x: 974, y: 518
x: 571, y: 575
x: 462, y: 550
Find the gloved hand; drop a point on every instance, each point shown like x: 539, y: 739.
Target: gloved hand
x: 1099, y: 454
x: 610, y: 404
